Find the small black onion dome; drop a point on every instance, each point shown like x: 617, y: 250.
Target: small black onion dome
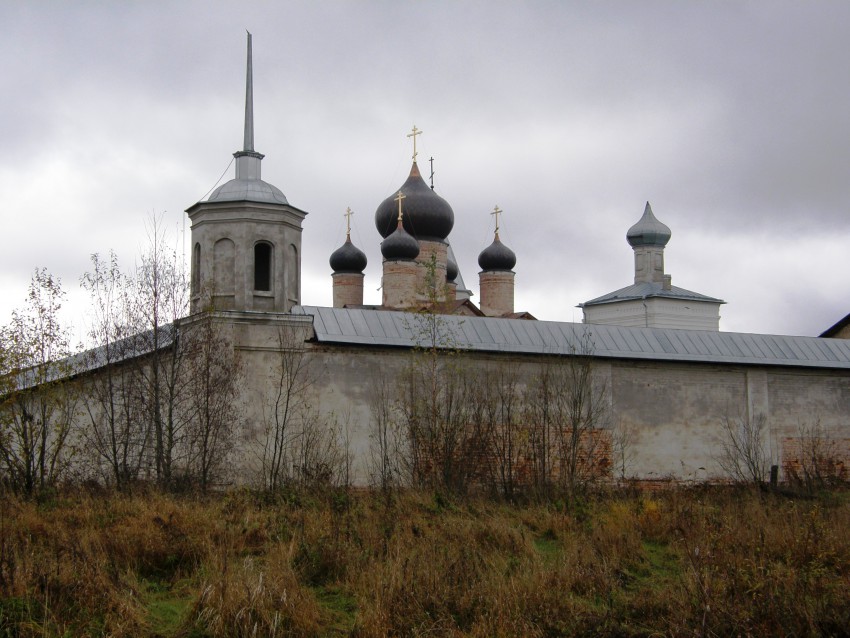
x: 348, y: 258
x: 400, y: 246
x: 426, y: 214
x: 451, y: 270
x: 497, y: 256
x: 648, y: 231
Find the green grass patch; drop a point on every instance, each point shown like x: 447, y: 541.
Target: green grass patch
x: 17, y: 612
x: 341, y: 610
x: 658, y: 567
x: 167, y: 605
x: 548, y: 547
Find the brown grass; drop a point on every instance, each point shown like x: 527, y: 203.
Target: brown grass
x: 679, y: 563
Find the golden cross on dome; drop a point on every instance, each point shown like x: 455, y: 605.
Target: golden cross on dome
x: 497, y: 211
x: 413, y: 134
x: 347, y: 214
x: 398, y: 198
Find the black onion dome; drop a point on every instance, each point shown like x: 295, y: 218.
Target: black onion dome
x: 426, y: 214
x: 451, y: 270
x: 497, y: 256
x: 348, y: 258
x: 400, y: 246
x: 648, y: 231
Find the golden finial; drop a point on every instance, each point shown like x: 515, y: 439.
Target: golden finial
x: 398, y: 198
x: 413, y: 134
x: 347, y: 214
x: 497, y: 211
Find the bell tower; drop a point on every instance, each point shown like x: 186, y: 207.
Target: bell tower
x: 246, y: 237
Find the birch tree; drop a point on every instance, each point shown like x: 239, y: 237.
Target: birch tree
x: 38, y: 403
x: 117, y: 435
x: 159, y: 297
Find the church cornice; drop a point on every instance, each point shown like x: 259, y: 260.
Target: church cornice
x: 243, y: 205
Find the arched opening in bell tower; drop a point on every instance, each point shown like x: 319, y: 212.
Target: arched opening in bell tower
x: 263, y: 266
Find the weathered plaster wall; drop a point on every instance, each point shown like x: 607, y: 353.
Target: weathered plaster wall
x: 801, y: 401
x: 672, y: 412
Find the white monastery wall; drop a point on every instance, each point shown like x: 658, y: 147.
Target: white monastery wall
x: 672, y: 412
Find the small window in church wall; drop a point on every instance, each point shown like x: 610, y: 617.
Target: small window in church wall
x: 262, y: 266
x: 196, y: 269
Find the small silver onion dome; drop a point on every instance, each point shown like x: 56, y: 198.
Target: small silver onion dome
x: 348, y: 258
x: 497, y: 256
x: 648, y: 231
x: 451, y: 270
x: 400, y: 245
x: 426, y: 214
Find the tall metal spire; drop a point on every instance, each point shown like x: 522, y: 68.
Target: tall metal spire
x: 248, y: 184
x: 249, y: 102
x: 248, y: 160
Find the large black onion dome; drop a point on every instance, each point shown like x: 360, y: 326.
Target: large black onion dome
x: 497, y: 256
x: 648, y: 231
x: 400, y: 246
x: 451, y: 270
x: 348, y: 258
x: 426, y: 214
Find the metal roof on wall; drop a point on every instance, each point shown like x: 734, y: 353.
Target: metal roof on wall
x: 490, y: 334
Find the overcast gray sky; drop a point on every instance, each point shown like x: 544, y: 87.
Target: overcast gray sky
x: 731, y: 118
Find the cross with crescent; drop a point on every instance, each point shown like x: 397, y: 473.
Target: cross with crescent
x: 398, y: 198
x: 413, y: 134
x: 347, y: 214
x: 496, y: 211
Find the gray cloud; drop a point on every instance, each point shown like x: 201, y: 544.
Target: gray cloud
x: 731, y: 118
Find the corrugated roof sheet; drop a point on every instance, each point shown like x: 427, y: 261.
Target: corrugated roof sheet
x: 489, y: 334
x: 649, y: 290
x: 125, y: 349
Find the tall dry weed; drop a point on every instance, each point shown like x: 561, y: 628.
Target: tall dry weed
x: 58, y: 565
x: 682, y: 562
x: 255, y: 597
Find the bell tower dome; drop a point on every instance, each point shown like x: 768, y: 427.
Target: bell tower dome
x: 246, y: 237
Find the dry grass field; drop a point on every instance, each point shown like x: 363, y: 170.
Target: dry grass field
x: 682, y: 562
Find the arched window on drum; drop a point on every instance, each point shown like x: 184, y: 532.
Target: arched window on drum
x: 263, y: 261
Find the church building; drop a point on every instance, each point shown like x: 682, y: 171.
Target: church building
x: 671, y: 379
